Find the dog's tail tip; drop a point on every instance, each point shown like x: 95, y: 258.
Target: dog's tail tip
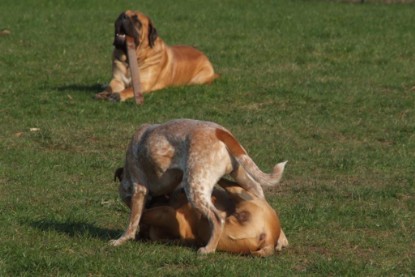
x: 279, y: 168
x: 282, y: 164
x: 277, y: 172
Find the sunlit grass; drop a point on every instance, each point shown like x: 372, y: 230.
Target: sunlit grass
x: 326, y: 85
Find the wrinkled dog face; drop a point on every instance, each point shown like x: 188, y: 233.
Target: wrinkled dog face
x: 136, y: 25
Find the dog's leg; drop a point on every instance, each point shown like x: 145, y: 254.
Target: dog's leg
x: 265, y: 251
x: 123, y: 95
x: 231, y: 187
x: 137, y: 206
x: 113, y: 87
x: 120, y: 78
x: 282, y: 241
x: 247, y: 182
x: 200, y: 198
x: 205, y: 76
x: 216, y: 223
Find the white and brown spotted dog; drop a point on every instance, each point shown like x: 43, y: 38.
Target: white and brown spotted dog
x: 160, y: 65
x: 251, y: 226
x: 187, y: 154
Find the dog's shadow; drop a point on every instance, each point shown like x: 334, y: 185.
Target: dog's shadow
x: 84, y: 88
x: 83, y: 229
x: 76, y: 229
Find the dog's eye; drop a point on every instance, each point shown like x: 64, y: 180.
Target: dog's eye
x: 136, y: 21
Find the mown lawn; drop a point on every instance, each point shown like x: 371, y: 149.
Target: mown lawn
x: 327, y: 85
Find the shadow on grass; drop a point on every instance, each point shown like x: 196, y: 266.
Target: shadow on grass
x: 86, y: 230
x: 87, y: 88
x: 76, y: 229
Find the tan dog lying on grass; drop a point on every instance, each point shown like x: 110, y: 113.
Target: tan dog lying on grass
x: 251, y: 225
x: 192, y: 155
x: 159, y: 65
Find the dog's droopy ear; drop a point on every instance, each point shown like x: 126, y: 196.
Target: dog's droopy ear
x: 152, y: 34
x: 118, y: 174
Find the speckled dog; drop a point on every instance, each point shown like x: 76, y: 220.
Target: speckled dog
x: 187, y: 154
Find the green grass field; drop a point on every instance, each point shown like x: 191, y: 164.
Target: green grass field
x: 327, y: 85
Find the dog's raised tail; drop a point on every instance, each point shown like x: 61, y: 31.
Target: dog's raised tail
x: 240, y: 154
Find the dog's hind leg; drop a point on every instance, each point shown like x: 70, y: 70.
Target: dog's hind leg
x: 207, y: 162
x: 137, y: 206
x: 216, y: 223
x: 205, y: 76
x: 199, y: 196
x: 247, y: 182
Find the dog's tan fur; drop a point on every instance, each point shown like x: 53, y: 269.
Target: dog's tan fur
x: 159, y: 65
x: 251, y: 225
x: 187, y: 154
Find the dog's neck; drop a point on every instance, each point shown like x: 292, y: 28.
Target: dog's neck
x: 147, y: 55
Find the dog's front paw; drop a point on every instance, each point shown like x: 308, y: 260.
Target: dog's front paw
x: 204, y: 251
x: 125, y: 237
x: 117, y: 242
x: 102, y: 95
x: 282, y: 242
x: 115, y: 97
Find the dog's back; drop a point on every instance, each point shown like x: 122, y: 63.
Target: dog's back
x: 205, y: 145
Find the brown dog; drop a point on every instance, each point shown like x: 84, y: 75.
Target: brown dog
x: 187, y: 154
x: 251, y: 225
x: 159, y: 65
